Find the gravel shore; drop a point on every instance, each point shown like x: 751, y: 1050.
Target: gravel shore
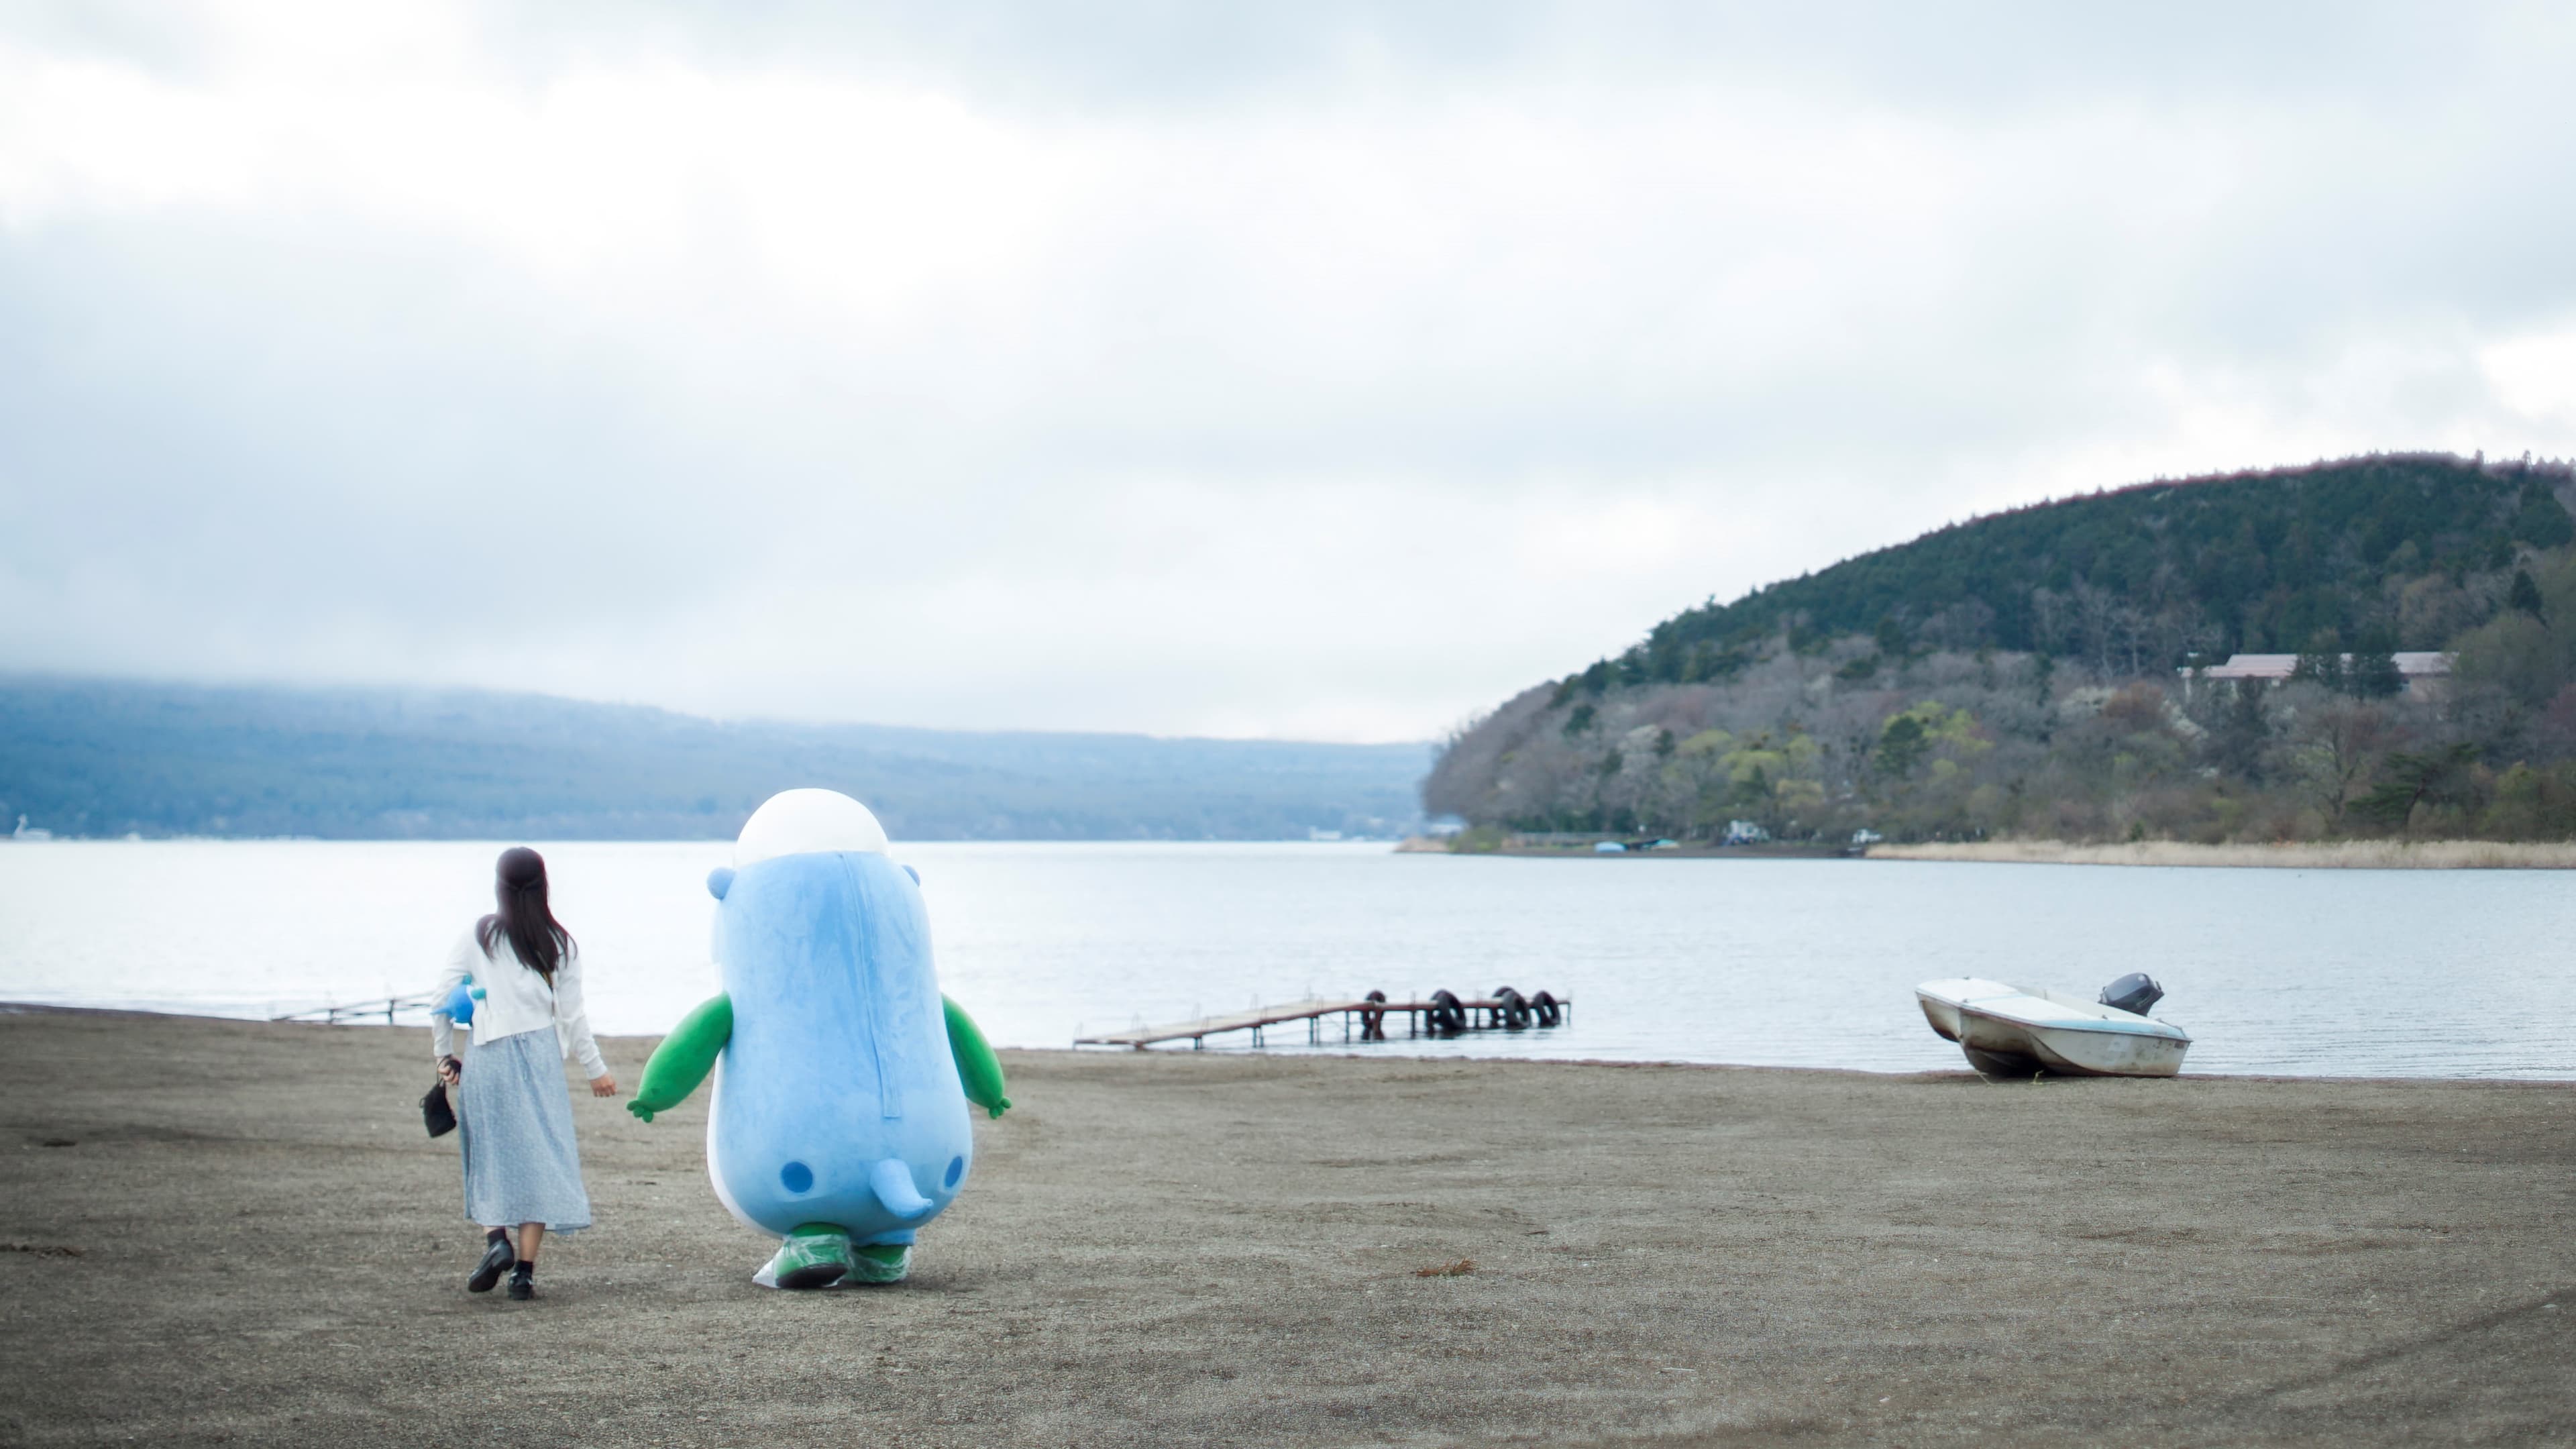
x: 230, y: 1232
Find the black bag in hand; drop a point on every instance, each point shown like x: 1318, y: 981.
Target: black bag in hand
x: 435, y: 1114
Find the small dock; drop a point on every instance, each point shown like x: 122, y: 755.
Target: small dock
x: 1362, y: 1020
x: 368, y: 1010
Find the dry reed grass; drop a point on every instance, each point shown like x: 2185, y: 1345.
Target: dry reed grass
x: 2313, y: 855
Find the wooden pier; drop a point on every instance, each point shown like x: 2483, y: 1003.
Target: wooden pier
x: 1434, y: 1018
x: 388, y: 1008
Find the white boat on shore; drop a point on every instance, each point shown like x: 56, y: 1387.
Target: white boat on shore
x: 2009, y: 1030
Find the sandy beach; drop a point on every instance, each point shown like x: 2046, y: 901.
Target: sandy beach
x: 228, y: 1232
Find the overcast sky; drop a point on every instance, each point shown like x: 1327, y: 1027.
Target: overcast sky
x: 1313, y: 370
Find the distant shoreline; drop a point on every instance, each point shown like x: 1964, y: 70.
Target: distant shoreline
x: 1768, y: 850
x: 2301, y: 855
x: 2305, y: 855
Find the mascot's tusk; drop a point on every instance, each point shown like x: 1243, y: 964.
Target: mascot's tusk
x: 891, y: 1181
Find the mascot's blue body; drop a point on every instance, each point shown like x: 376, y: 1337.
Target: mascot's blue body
x: 838, y: 1099
x: 842, y: 1075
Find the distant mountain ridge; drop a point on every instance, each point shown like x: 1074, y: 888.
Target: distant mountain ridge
x: 104, y: 757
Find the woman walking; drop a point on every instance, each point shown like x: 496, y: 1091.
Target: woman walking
x: 513, y: 1116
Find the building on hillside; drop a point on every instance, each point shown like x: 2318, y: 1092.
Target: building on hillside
x: 2422, y: 669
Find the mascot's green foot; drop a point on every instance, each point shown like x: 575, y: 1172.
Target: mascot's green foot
x: 879, y: 1263
x: 814, y: 1256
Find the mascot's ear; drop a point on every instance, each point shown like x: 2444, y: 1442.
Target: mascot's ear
x: 720, y: 880
x: 916, y: 875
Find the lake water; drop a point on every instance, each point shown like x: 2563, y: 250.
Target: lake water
x: 1786, y: 962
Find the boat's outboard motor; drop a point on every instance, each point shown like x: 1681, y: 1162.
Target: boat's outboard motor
x: 2136, y: 992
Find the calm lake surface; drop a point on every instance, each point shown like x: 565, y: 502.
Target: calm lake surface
x: 1797, y: 963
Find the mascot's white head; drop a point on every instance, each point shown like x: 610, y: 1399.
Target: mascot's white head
x: 800, y: 822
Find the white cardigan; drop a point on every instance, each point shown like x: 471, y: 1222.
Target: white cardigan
x: 515, y: 1000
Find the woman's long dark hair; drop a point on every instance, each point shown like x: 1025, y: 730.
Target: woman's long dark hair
x: 534, y: 933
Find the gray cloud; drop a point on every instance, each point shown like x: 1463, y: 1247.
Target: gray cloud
x: 1277, y: 370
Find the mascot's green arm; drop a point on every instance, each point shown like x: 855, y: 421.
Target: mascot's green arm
x: 684, y: 1058
x: 977, y: 1068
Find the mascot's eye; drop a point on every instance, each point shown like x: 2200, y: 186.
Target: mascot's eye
x: 796, y: 1177
x: 956, y: 1170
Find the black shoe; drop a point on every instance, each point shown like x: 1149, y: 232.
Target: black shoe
x: 523, y: 1286
x: 497, y: 1260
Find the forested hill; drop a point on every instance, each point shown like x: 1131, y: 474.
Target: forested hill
x: 2138, y: 578
x: 109, y: 757
x: 2023, y: 674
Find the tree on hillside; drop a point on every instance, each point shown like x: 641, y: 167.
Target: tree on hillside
x: 1902, y: 746
x: 2524, y: 597
x: 2239, y: 721
x: 2321, y: 663
x: 2438, y: 776
x: 2333, y: 742
x: 2516, y: 656
x: 2372, y: 672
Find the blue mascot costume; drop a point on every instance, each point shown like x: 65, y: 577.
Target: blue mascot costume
x: 839, y: 1120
